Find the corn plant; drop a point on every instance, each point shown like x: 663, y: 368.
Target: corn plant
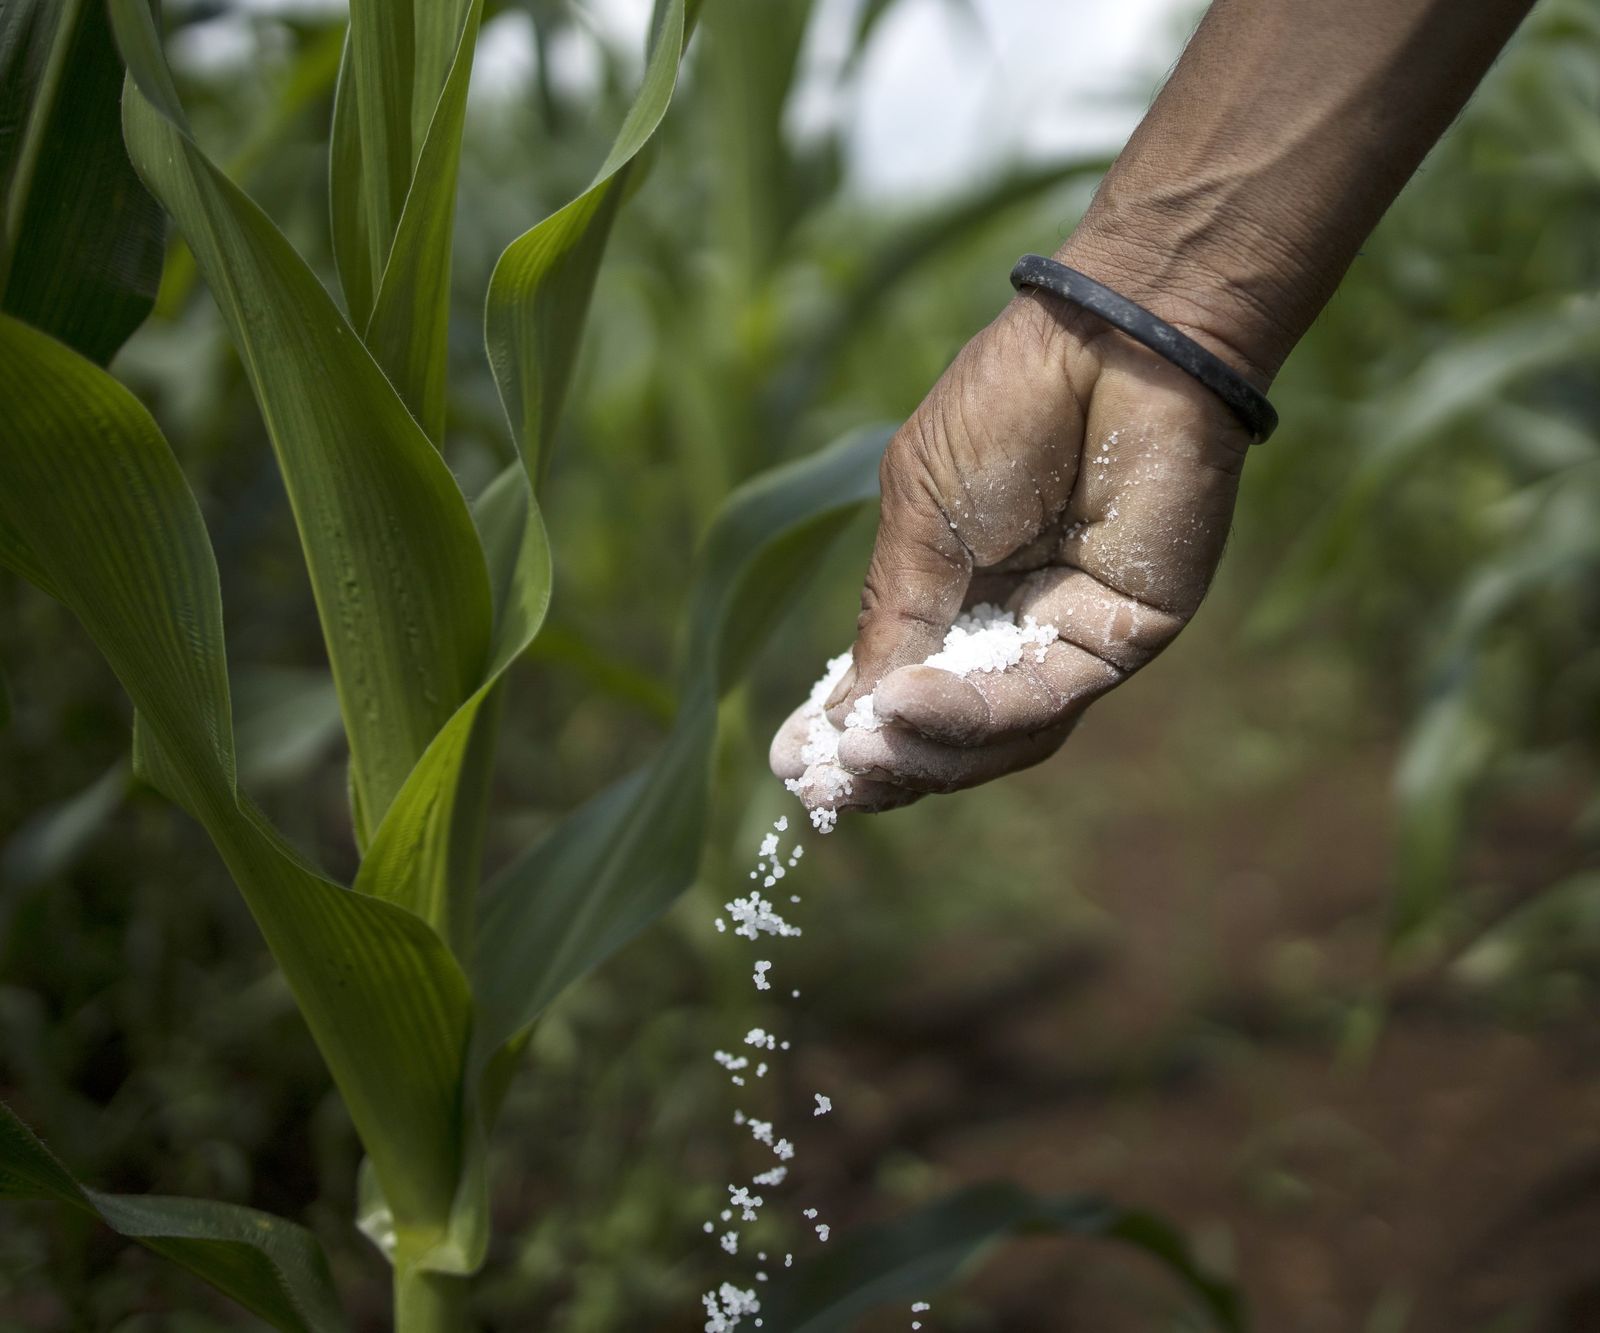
x: 1452, y: 435
x: 419, y: 984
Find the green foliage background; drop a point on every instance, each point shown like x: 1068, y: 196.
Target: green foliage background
x: 1427, y: 521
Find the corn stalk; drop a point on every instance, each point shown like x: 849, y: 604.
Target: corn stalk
x: 418, y: 986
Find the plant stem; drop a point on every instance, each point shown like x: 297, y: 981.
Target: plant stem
x: 430, y: 1302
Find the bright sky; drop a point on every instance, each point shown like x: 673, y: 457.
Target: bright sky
x: 946, y: 89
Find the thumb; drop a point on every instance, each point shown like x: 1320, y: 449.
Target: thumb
x: 916, y: 581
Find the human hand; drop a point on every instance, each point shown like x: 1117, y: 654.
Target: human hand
x: 1060, y: 471
x: 1064, y: 471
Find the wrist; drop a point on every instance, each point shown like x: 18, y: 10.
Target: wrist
x: 1223, y: 290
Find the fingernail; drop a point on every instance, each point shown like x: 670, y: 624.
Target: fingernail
x: 842, y: 690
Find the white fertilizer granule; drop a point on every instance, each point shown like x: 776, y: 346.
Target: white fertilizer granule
x: 824, y: 781
x: 755, y: 918
x: 732, y: 1063
x: 727, y: 1306
x: 862, y: 715
x: 989, y: 639
x: 740, y: 1197
x: 986, y: 638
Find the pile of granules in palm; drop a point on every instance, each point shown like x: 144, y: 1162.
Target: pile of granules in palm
x: 986, y: 638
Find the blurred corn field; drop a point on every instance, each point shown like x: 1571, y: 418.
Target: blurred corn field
x: 1428, y: 519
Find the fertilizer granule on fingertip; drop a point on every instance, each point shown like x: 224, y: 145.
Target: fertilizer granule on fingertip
x: 985, y: 639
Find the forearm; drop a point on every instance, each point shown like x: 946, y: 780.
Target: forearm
x: 1285, y: 131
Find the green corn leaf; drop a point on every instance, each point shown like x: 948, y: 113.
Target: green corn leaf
x: 425, y: 856
x: 618, y: 861
x: 1464, y: 376
x: 1459, y: 732
x: 274, y: 1268
x: 409, y: 330
x: 518, y: 555
x: 381, y: 52
x: 308, y: 79
x: 347, y: 213
x: 50, y: 840
x: 1445, y: 760
x: 748, y: 63
x: 540, y: 289
x: 397, y: 278
x: 81, y: 240
x: 399, y: 59
x: 426, y: 853
x: 538, y: 298
x: 913, y: 1257
x: 284, y: 721
x: 92, y: 489
x: 15, y: 554
x: 395, y: 564
x: 604, y: 673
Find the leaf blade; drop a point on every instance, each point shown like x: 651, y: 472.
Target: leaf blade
x: 912, y: 1257
x: 89, y: 483
x: 541, y: 286
x: 407, y: 628
x: 621, y: 858
x: 425, y: 854
x: 81, y: 249
x: 347, y: 215
x: 272, y: 1267
x: 409, y: 329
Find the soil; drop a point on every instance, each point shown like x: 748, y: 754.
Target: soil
x: 1363, y: 1147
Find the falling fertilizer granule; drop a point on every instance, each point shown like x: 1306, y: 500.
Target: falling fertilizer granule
x: 985, y: 638
x: 730, y: 1307
x: 755, y: 919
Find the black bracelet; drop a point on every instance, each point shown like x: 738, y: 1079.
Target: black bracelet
x: 1247, y: 402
